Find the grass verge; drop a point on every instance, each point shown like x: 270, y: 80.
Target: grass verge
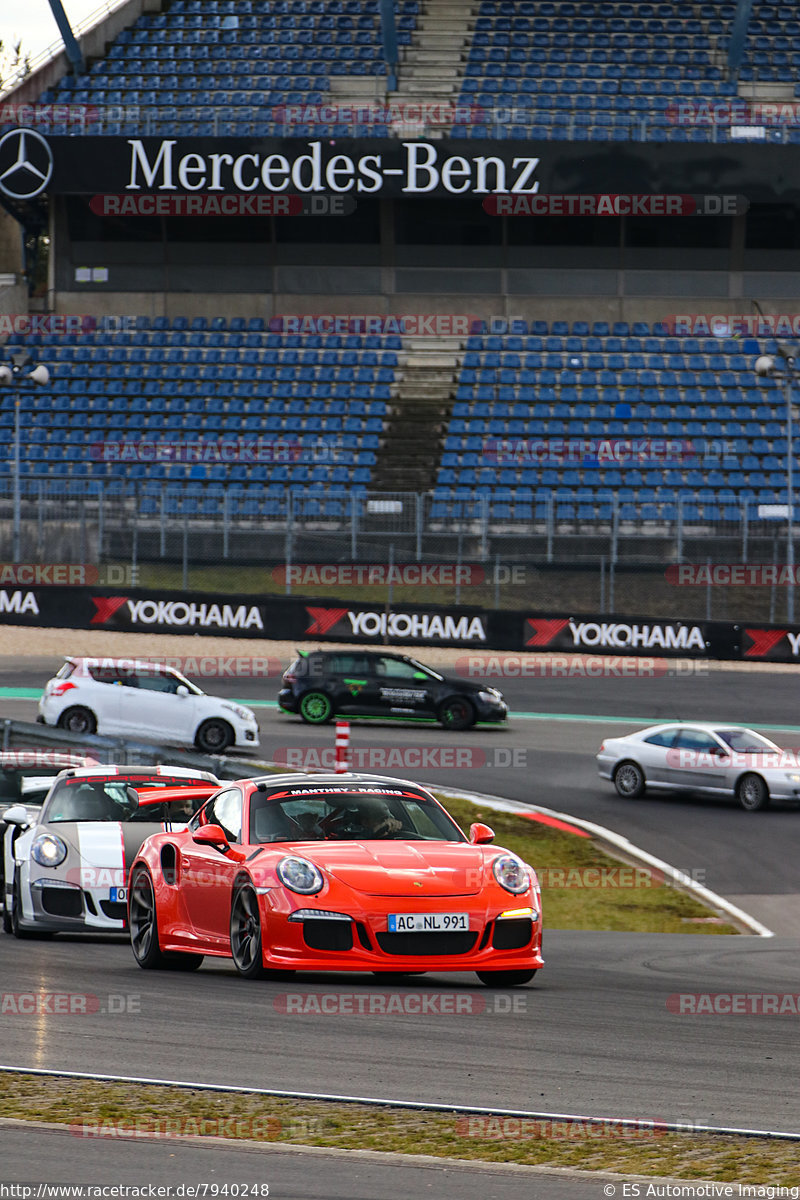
x: 118, y: 1110
x: 585, y: 888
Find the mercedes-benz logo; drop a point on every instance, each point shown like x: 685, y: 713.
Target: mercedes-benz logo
x: 26, y: 164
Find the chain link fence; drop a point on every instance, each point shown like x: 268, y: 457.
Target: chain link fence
x: 476, y: 550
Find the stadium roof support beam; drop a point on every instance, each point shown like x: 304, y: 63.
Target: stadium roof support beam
x: 389, y: 37
x: 736, y: 45
x: 71, y: 47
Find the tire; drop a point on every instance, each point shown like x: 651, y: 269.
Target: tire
x: 629, y: 780
x: 752, y: 793
x: 246, y: 950
x: 214, y: 736
x: 505, y: 979
x: 316, y: 708
x: 456, y: 713
x: 143, y: 924
x: 78, y: 720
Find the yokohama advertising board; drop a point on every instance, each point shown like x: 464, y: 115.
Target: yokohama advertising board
x: 323, y: 620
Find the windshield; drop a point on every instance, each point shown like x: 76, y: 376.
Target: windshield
x: 745, y: 741
x: 107, y: 799
x: 349, y: 814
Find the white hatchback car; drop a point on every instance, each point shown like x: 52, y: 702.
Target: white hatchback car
x: 141, y: 699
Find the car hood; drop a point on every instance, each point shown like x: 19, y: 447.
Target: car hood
x: 412, y: 869
x: 468, y: 686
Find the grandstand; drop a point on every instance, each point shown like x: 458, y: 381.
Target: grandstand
x: 569, y: 332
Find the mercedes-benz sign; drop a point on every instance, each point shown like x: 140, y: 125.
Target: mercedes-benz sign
x: 26, y: 164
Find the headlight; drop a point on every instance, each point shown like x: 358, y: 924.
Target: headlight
x: 490, y: 694
x: 511, y: 873
x: 48, y: 850
x: 299, y: 875
x: 244, y: 714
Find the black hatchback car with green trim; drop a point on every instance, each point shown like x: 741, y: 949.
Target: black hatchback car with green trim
x: 323, y: 683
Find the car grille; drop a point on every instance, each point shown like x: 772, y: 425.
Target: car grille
x: 426, y: 943
x: 62, y: 902
x: 512, y: 935
x: 328, y: 935
x: 116, y: 909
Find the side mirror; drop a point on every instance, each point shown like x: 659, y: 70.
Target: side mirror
x: 211, y: 835
x: 17, y: 815
x: 480, y: 835
x: 214, y: 835
x: 182, y: 690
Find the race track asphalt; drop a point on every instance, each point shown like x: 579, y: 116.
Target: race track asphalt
x: 546, y: 756
x: 599, y: 1032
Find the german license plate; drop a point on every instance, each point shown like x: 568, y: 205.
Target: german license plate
x: 428, y: 922
x: 118, y: 894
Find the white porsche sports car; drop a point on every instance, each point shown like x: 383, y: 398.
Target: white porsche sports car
x: 66, y: 866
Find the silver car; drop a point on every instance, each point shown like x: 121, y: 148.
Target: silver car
x: 717, y: 760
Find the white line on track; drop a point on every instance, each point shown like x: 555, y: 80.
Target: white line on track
x: 415, y: 1105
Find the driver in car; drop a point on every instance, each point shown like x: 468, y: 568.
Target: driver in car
x: 365, y: 818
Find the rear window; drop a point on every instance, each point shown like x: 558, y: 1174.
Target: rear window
x: 665, y: 738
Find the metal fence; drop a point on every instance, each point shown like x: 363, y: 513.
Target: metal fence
x: 550, y: 551
x: 729, y: 120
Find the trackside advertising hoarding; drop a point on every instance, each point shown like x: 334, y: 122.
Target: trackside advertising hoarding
x: 135, y: 610
x: 477, y: 169
x: 252, y: 616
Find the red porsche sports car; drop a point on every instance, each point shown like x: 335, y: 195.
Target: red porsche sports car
x: 334, y: 873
